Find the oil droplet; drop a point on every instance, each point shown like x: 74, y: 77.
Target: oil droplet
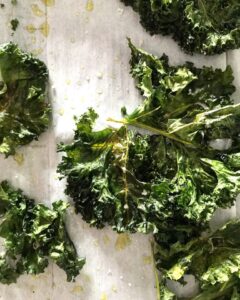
x: 49, y: 2
x: 19, y: 158
x: 120, y: 11
x: 86, y: 277
x: 114, y: 289
x: 77, y: 289
x: 122, y: 241
x: 36, y: 10
x: 33, y: 287
x: 96, y: 243
x: 30, y: 28
x: 44, y: 29
x: 106, y: 239
x: 147, y: 260
x: 103, y: 296
x: 61, y: 112
x: 89, y: 5
x: 37, y: 52
x: 99, y: 75
x: 34, y: 40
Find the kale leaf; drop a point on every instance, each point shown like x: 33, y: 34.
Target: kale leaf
x: 214, y: 260
x: 207, y: 27
x: 24, y: 112
x: 170, y: 180
x: 191, y: 109
x: 32, y: 234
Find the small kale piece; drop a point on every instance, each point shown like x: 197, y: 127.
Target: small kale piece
x: 207, y: 27
x: 214, y: 260
x: 14, y: 24
x: 24, y: 112
x: 33, y: 233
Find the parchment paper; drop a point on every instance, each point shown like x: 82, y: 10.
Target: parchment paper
x: 84, y: 46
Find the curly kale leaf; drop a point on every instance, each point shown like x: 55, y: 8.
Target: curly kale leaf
x: 207, y: 27
x: 106, y: 173
x: 190, y: 108
x: 214, y: 260
x: 182, y: 96
x: 171, y: 177
x: 134, y: 182
x: 24, y: 112
x: 32, y: 234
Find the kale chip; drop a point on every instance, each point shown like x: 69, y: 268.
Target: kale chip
x: 214, y: 260
x: 113, y: 176
x: 24, y: 112
x: 207, y: 27
x: 32, y: 234
x: 170, y: 180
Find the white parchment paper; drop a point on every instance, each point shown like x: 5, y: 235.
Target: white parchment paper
x: 83, y: 42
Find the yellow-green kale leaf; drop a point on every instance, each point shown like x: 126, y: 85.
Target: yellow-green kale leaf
x: 214, y: 260
x: 207, y: 27
x: 24, y: 111
x: 33, y: 234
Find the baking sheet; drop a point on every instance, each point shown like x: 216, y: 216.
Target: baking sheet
x: 84, y: 45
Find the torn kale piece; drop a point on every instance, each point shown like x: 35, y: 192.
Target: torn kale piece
x: 14, y: 24
x: 24, y: 111
x: 33, y: 234
x: 207, y: 27
x: 214, y: 260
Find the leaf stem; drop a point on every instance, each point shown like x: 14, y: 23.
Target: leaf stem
x: 155, y: 272
x: 150, y: 128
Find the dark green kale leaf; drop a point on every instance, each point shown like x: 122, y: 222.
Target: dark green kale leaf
x: 214, y: 260
x: 106, y: 172
x: 170, y: 180
x: 135, y: 182
x: 24, y: 112
x: 190, y: 108
x: 207, y: 27
x: 32, y: 234
x: 181, y: 99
